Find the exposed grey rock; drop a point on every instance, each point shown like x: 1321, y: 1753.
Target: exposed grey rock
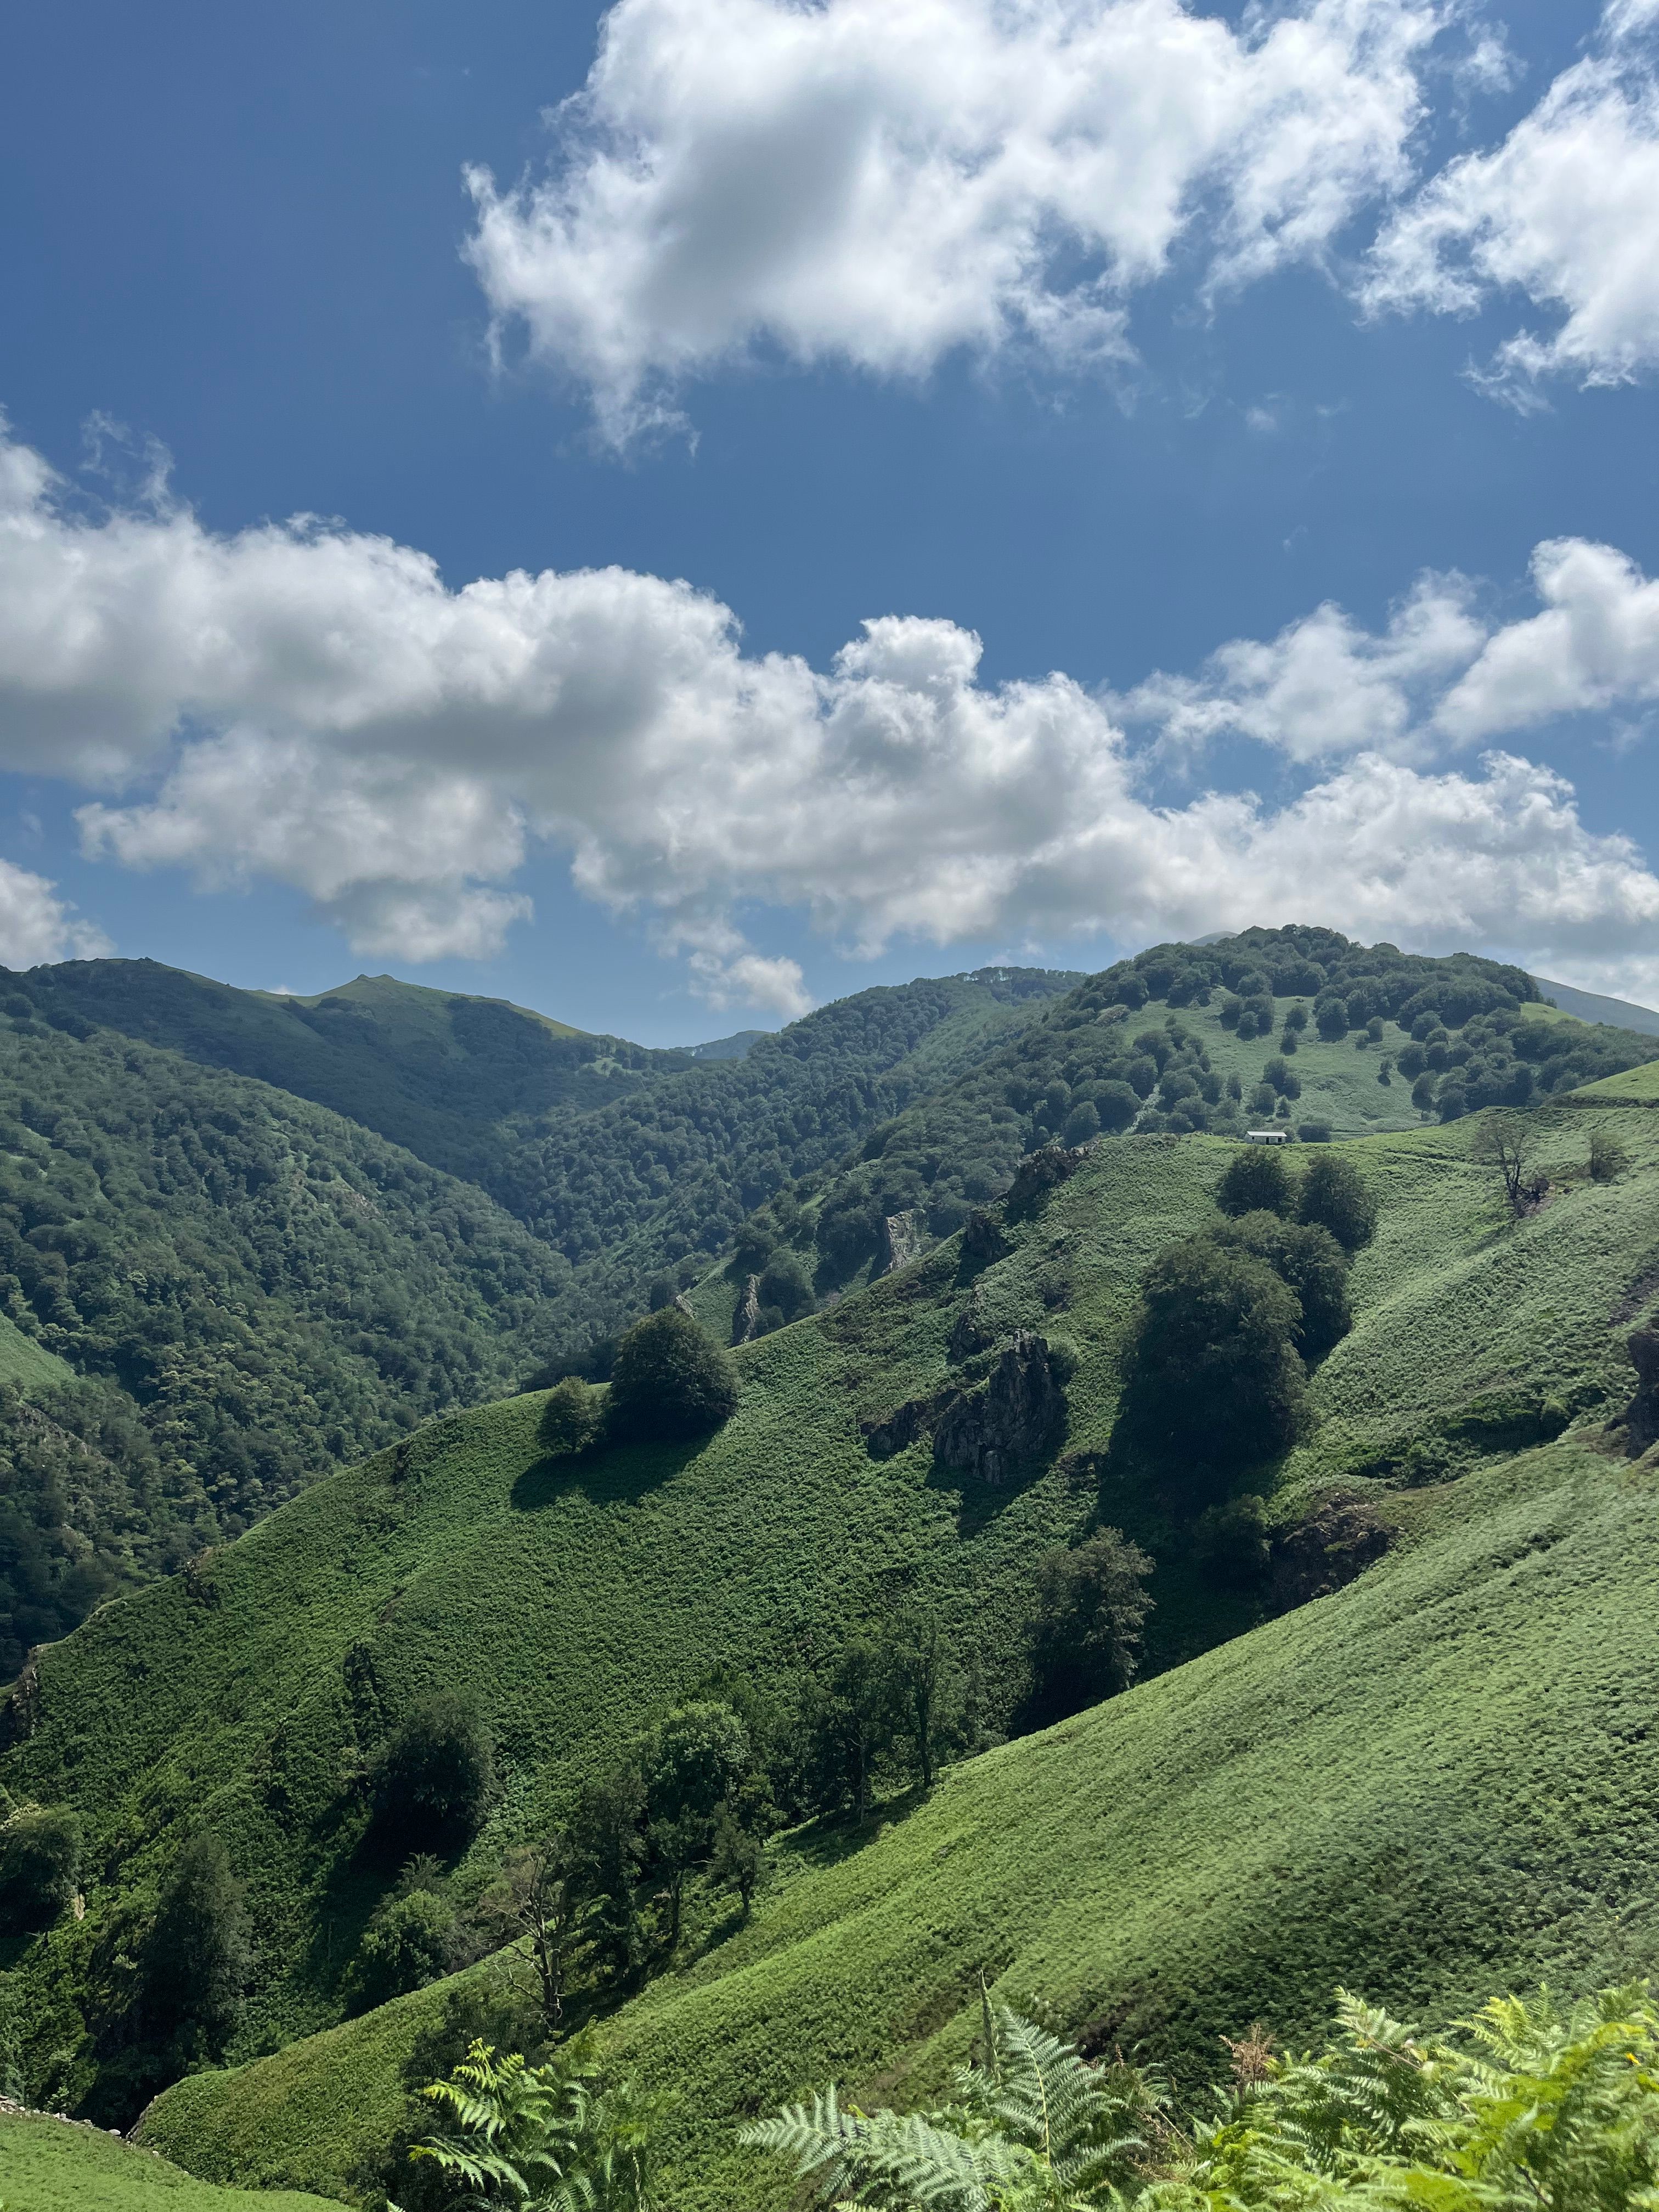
x: 969, y: 1334
x: 1020, y: 1415
x: 982, y: 1241
x: 1041, y: 1170
x: 892, y: 1433
x: 900, y: 1242
x: 684, y: 1304
x: 745, y: 1322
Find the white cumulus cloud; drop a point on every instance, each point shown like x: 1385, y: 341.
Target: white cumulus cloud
x: 317, y: 707
x: 1439, y: 674
x: 1564, y: 212
x: 1324, y: 685
x: 878, y: 182
x: 37, y: 925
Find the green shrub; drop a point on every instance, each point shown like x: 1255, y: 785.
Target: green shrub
x: 1116, y: 1105
x: 571, y: 1419
x: 1255, y: 1181
x: 1335, y: 1195
x: 39, y: 1866
x: 410, y: 1941
x: 1231, y: 1541
x: 1607, y: 1158
x: 786, y: 1285
x: 432, y: 1780
x: 194, y: 1965
x: 1092, y: 1604
x: 1212, y: 1377
x: 1082, y: 1125
x: 670, y: 1383
x: 1309, y: 1260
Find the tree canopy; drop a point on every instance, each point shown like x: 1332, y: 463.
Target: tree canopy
x: 671, y: 1382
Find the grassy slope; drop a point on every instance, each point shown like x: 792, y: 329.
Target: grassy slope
x: 1636, y: 1086
x: 1435, y: 1783
x: 27, y: 1365
x: 782, y: 1527
x: 47, y: 2166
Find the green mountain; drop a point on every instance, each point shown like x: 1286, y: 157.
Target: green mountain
x: 1591, y: 1006
x: 1297, y: 1027
x: 626, y: 1162
x: 214, y: 1289
x: 243, y: 1238
x: 1409, y: 1783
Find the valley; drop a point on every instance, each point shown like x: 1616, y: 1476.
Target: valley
x: 1384, y: 1725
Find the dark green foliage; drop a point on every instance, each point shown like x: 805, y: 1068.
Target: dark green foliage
x: 1231, y: 1541
x: 431, y: 1780
x: 1331, y: 1020
x: 692, y: 1766
x: 1283, y: 1079
x: 571, y: 1419
x: 1335, y: 1195
x: 851, y: 1716
x: 608, y: 1847
x: 1309, y: 1261
x: 786, y: 1285
x: 1212, y: 1377
x: 39, y: 1868
x: 410, y: 1941
x: 738, y: 1860
x: 1608, y: 1158
x: 928, y: 1691
x: 1254, y: 1181
x: 194, y: 1966
x: 670, y: 1383
x: 250, y: 1288
x: 1092, y: 1604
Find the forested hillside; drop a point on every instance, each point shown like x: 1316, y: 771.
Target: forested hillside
x: 440, y: 1073
x: 1296, y: 1027
x: 212, y: 1288
x: 625, y: 1161
x: 234, y: 1290
x: 863, y: 1489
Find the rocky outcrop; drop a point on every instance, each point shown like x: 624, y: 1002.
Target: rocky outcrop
x: 1020, y: 1415
x: 1039, y: 1172
x: 20, y: 1714
x: 1329, y: 1547
x: 968, y: 1335
x: 1642, y: 1421
x: 982, y: 1241
x: 745, y: 1322
x: 899, y: 1244
x: 891, y: 1433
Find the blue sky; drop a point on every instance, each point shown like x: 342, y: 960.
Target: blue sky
x: 1122, y: 337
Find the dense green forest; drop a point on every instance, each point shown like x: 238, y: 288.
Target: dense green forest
x: 626, y: 1161
x: 217, y: 1289
x: 239, y: 1289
